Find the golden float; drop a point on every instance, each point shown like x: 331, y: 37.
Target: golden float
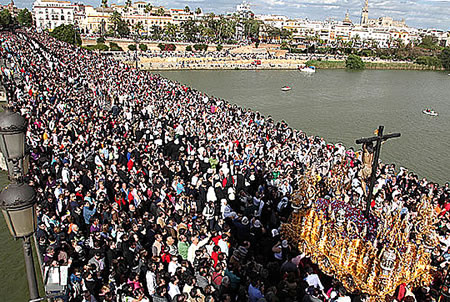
x: 372, y: 256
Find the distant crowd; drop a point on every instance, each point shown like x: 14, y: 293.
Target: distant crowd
x: 150, y: 190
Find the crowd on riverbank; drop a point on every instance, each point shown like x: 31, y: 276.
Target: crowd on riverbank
x: 152, y: 191
x: 260, y: 59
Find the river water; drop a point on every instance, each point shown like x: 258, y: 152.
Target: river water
x: 342, y: 106
x: 338, y: 105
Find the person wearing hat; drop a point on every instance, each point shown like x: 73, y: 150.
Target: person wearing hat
x: 173, y: 265
x: 242, y: 229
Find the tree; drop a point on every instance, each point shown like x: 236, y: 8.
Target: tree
x: 428, y: 42
x: 138, y: 27
x: 114, y: 47
x: 219, y: 47
x: 285, y: 34
x: 167, y: 47
x: 104, y: 3
x: 67, y: 33
x: 187, y: 9
x: 120, y: 27
x: 132, y: 47
x: 189, y: 48
x: 429, y: 61
x: 160, y: 12
x: 445, y: 58
x: 198, y: 11
x: 148, y: 8
x: 354, y: 62
x: 5, y: 18
x: 143, y: 47
x: 123, y: 29
x: 227, y: 29
x: 251, y: 28
x: 201, y: 47
x: 156, y: 32
x: 25, y: 18
x: 170, y: 31
x: 190, y: 30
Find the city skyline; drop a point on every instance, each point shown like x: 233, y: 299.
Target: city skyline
x: 419, y: 14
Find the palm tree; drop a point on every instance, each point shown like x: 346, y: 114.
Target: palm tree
x: 156, y: 32
x: 160, y: 12
x: 198, y: 11
x: 190, y: 30
x: 127, y: 5
x: 115, y: 19
x: 104, y: 3
x: 148, y: 8
x: 138, y: 27
x: 187, y: 9
x: 170, y: 31
x: 227, y: 29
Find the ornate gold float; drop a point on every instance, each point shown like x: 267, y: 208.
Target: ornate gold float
x: 373, y: 255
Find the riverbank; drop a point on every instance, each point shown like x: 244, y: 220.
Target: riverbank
x: 177, y: 63
x: 380, y: 65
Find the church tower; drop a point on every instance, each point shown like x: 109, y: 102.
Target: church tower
x: 365, y: 14
x: 347, y: 21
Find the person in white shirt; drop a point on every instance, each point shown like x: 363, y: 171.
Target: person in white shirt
x: 150, y: 277
x: 173, y: 265
x: 343, y: 296
x: 223, y: 244
x: 195, y: 245
x: 312, y: 279
x: 173, y: 287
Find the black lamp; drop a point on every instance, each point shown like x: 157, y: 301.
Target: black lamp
x: 18, y: 204
x: 13, y: 127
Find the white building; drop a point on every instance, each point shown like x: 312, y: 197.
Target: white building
x: 50, y: 14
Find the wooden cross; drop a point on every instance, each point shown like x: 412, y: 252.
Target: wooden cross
x: 379, y: 139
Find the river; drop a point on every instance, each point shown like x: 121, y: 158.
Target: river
x: 338, y: 105
x: 342, y: 106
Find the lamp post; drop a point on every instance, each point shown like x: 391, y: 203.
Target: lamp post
x: 18, y: 205
x: 137, y: 39
x: 12, y: 143
x: 18, y: 200
x: 75, y: 31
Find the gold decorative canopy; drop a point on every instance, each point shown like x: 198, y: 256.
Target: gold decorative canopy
x: 373, y: 255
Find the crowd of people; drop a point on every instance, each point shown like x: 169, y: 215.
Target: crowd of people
x: 152, y: 191
x: 225, y: 55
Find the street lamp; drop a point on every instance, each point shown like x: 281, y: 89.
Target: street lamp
x: 75, y: 31
x: 18, y: 200
x: 137, y: 39
x: 18, y: 204
x: 12, y: 143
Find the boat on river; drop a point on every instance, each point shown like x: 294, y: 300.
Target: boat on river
x: 286, y: 88
x: 430, y: 112
x: 309, y: 69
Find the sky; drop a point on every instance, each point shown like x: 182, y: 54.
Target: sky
x: 420, y: 14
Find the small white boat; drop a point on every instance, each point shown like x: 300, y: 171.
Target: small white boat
x: 309, y: 69
x: 285, y: 88
x: 430, y: 112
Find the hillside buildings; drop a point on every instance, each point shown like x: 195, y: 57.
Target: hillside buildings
x: 383, y: 32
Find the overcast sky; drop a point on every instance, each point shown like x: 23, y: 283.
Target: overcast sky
x: 421, y: 13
